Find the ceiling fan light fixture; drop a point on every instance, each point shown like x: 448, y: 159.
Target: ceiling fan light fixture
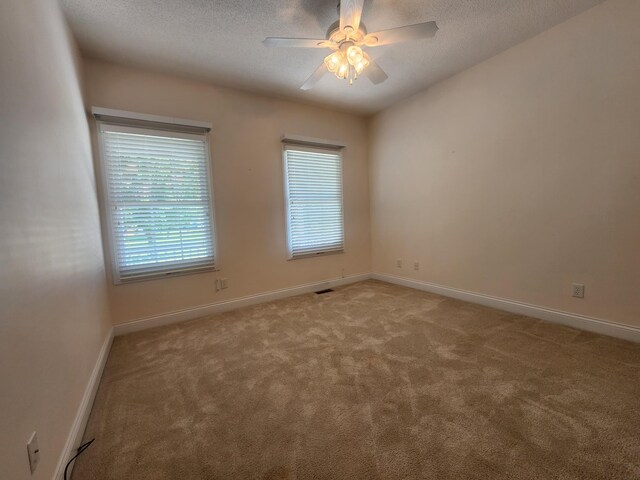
x: 347, y: 63
x: 343, y: 71
x: 354, y: 55
x: 361, y: 65
x: 334, y: 60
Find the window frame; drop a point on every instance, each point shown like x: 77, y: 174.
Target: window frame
x: 138, y: 123
x: 318, y: 147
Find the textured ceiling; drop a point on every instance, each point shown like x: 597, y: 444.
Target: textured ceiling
x: 220, y: 40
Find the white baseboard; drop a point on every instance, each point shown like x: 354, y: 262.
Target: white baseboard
x: 80, y: 422
x: 203, y: 310
x: 596, y: 325
x: 582, y: 322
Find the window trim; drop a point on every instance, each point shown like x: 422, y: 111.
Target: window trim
x: 332, y: 148
x: 178, y: 130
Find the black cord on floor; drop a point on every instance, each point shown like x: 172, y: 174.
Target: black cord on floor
x: 81, y: 449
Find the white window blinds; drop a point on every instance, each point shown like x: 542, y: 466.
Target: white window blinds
x: 160, y: 215
x: 313, y: 188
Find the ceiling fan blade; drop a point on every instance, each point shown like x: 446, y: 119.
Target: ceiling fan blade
x: 401, y: 34
x: 350, y: 13
x: 296, y: 42
x: 315, y: 77
x: 374, y: 73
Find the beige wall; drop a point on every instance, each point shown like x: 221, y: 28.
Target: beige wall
x: 53, y: 297
x: 522, y: 175
x: 246, y: 156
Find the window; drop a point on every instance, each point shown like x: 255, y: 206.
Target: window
x: 313, y: 190
x: 158, y: 200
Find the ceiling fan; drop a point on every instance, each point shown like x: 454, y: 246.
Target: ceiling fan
x: 347, y: 37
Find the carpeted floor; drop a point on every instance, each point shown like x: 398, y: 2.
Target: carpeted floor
x: 372, y: 381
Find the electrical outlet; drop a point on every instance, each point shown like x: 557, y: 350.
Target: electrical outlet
x: 223, y: 283
x: 399, y: 263
x: 217, y: 284
x: 416, y: 266
x: 33, y: 451
x: 577, y: 290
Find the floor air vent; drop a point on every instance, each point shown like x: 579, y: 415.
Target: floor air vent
x: 326, y: 290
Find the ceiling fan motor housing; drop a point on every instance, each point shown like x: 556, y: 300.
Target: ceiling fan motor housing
x: 335, y: 29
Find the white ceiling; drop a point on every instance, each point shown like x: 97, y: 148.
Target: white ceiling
x: 220, y: 40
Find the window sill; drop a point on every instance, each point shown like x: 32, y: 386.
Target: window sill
x: 164, y: 275
x: 316, y: 254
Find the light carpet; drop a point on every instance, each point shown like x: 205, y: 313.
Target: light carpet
x: 372, y: 381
